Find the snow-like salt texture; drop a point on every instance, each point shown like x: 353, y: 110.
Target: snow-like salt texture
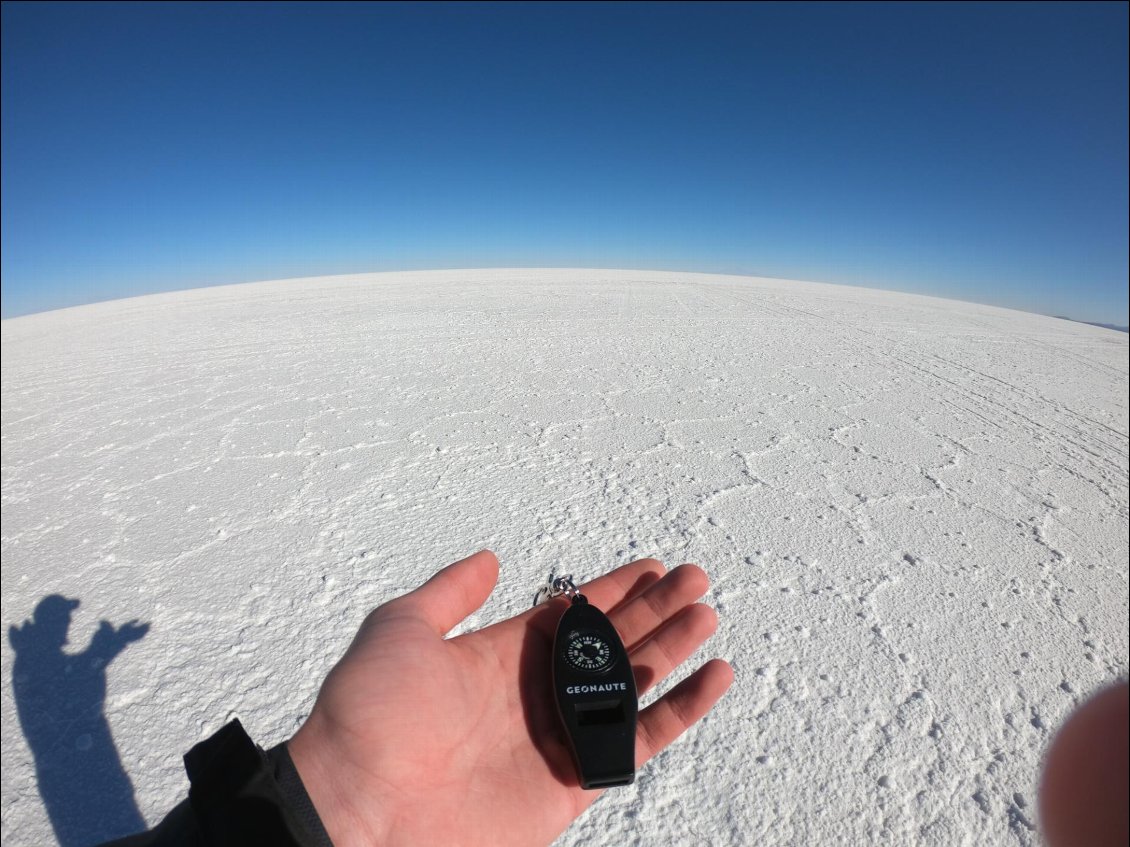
x: 913, y: 511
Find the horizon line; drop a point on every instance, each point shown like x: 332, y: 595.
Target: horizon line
x: 176, y: 290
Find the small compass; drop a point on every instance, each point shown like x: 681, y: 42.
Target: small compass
x: 588, y: 651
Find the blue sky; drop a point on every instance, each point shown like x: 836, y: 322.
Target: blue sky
x: 968, y: 151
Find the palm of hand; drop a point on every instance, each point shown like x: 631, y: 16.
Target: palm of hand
x: 419, y: 740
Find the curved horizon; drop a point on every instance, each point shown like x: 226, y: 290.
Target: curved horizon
x: 454, y: 270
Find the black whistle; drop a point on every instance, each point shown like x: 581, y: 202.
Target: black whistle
x: 596, y: 696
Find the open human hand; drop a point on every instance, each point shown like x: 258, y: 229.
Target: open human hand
x: 415, y: 739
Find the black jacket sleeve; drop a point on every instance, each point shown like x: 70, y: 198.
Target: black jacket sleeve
x: 239, y: 795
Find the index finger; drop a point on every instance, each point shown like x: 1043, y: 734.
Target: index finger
x: 605, y: 592
x: 621, y: 585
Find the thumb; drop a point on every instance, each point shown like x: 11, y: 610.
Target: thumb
x: 454, y: 592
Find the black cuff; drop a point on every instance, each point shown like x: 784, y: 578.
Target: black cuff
x: 296, y: 797
x: 241, y: 796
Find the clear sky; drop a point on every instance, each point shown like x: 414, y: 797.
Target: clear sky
x: 963, y: 150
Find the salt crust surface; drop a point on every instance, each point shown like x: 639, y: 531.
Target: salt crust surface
x: 913, y: 511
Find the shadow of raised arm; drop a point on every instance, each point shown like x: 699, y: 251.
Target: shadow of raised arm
x: 59, y: 699
x: 108, y: 642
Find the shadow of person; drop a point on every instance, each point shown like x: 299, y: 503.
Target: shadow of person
x: 59, y: 699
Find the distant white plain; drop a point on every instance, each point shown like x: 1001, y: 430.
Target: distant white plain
x: 913, y: 511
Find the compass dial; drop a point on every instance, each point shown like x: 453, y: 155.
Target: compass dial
x: 587, y: 651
